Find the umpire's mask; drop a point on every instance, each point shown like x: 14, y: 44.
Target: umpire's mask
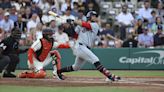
x: 16, y: 34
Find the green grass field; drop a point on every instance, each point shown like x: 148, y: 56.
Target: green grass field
x: 66, y: 89
x: 122, y: 73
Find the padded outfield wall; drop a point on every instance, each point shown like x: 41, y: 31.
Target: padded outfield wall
x: 112, y: 58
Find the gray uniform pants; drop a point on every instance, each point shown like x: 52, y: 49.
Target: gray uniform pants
x: 83, y: 55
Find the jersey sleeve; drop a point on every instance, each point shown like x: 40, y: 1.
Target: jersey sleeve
x: 36, y: 45
x: 95, y: 27
x: 78, y: 29
x: 87, y: 25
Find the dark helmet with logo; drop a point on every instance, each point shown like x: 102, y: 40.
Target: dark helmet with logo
x: 90, y: 14
x: 47, y: 34
x: 16, y: 34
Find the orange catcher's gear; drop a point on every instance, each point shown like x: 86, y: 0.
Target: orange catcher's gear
x: 31, y: 74
x: 42, y: 53
x: 46, y: 47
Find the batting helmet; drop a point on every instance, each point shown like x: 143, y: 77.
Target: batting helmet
x: 91, y: 13
x: 47, y: 33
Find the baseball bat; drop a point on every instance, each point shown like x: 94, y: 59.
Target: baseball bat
x: 54, y: 14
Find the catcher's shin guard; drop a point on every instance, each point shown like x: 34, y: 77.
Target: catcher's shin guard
x: 40, y: 74
x: 56, y: 58
x: 31, y: 74
x: 26, y: 74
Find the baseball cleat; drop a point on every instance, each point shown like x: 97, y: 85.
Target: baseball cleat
x: 114, y: 77
x: 59, y: 76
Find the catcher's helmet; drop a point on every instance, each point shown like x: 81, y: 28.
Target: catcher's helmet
x: 91, y: 13
x: 47, y: 33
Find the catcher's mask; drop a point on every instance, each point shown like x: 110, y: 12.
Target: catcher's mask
x: 47, y: 34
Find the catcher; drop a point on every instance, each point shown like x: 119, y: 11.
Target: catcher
x: 40, y: 55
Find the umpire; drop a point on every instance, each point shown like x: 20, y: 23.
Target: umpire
x: 9, y: 51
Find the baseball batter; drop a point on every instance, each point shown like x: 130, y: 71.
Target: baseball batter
x: 40, y: 55
x: 87, y: 34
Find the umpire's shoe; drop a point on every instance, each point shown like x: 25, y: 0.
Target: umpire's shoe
x: 8, y: 75
x: 114, y: 77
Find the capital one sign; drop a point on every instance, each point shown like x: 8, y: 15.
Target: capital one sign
x: 156, y: 58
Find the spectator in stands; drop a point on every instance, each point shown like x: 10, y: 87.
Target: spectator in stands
x: 46, y: 18
x: 69, y: 29
x: 125, y: 19
x: 15, y: 4
x: 13, y: 14
x: 53, y: 26
x: 27, y: 14
x: 7, y: 24
x: 159, y: 36
x: 130, y: 42
x: 6, y: 4
x: 44, y: 6
x: 33, y: 22
x: 108, y: 30
x: 118, y: 42
x: 139, y: 27
x: 54, y: 6
x: 152, y: 19
x: 1, y: 14
x: 20, y: 24
x: 92, y: 5
x: 27, y: 3
x: 81, y: 5
x: 160, y: 10
x: 37, y: 32
x: 1, y: 35
x: 61, y: 37
x: 144, y: 39
x: 65, y: 5
x: 81, y: 15
x: 40, y: 16
x: 74, y: 11
x: 103, y: 42
x: 22, y: 11
x: 1, y: 2
x: 68, y: 14
x: 155, y: 25
x: 35, y: 8
x: 145, y: 12
x: 22, y: 3
x: 154, y: 3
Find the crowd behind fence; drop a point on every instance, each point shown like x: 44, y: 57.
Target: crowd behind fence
x: 124, y: 23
